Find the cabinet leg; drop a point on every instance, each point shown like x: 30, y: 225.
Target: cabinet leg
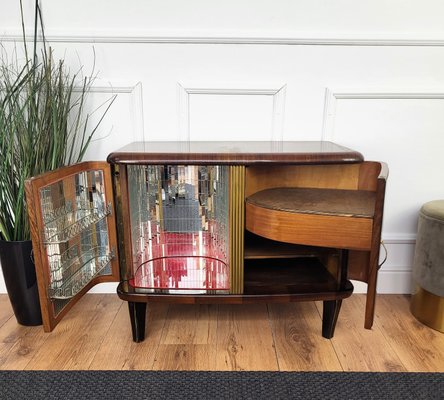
x: 137, y: 313
x: 329, y: 317
x: 371, y: 287
x: 371, y: 299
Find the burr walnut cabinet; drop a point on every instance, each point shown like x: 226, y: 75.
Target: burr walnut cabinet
x: 210, y: 222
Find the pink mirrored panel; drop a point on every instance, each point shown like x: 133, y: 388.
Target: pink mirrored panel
x: 179, y: 227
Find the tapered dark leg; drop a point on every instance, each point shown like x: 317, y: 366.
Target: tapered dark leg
x: 138, y: 316
x: 329, y: 317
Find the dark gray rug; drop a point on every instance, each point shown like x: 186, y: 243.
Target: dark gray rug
x: 157, y: 385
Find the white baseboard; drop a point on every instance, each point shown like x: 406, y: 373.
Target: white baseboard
x: 394, y: 277
x: 389, y: 282
x: 395, y: 282
x: 110, y: 287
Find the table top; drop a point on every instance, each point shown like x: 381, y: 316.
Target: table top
x: 235, y: 153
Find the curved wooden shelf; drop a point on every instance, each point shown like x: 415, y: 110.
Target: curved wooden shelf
x: 315, y: 217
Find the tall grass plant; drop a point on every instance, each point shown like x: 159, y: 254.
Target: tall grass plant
x: 43, y: 122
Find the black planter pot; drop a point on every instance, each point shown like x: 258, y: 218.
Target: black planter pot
x: 21, y: 281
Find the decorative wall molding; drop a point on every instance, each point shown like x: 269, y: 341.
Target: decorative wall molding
x: 393, y: 277
x: 184, y: 92
x: 134, y: 91
x: 303, y: 40
x: 400, y: 238
x: 136, y: 110
x: 333, y: 95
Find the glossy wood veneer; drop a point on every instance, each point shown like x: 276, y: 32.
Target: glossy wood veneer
x: 234, y: 153
x: 317, y: 217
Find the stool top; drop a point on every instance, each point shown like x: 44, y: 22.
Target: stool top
x: 434, y: 209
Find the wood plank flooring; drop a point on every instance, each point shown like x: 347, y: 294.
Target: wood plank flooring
x: 96, y: 334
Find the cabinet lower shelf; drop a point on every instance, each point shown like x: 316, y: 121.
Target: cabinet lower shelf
x: 277, y: 280
x: 294, y: 277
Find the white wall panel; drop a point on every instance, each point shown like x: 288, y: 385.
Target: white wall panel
x: 408, y: 134
x: 257, y: 21
x: 404, y: 129
x: 212, y: 112
x: 369, y: 75
x: 230, y: 116
x: 121, y: 123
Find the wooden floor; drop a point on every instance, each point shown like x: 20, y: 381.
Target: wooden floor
x: 96, y: 335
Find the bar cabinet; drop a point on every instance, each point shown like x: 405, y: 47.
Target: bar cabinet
x: 209, y: 222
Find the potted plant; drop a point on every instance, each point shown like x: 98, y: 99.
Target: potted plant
x: 42, y: 127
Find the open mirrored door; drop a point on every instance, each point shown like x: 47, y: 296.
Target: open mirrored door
x: 73, y: 234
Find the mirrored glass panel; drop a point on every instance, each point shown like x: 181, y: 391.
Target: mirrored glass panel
x: 74, y: 212
x: 179, y: 227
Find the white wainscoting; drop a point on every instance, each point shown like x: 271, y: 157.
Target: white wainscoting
x: 410, y: 139
x: 229, y: 112
x: 123, y: 123
x: 366, y: 75
x: 302, y: 22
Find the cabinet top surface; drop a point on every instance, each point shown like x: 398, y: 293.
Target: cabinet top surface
x: 240, y: 153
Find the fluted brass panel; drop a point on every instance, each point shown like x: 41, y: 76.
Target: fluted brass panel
x: 237, y: 226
